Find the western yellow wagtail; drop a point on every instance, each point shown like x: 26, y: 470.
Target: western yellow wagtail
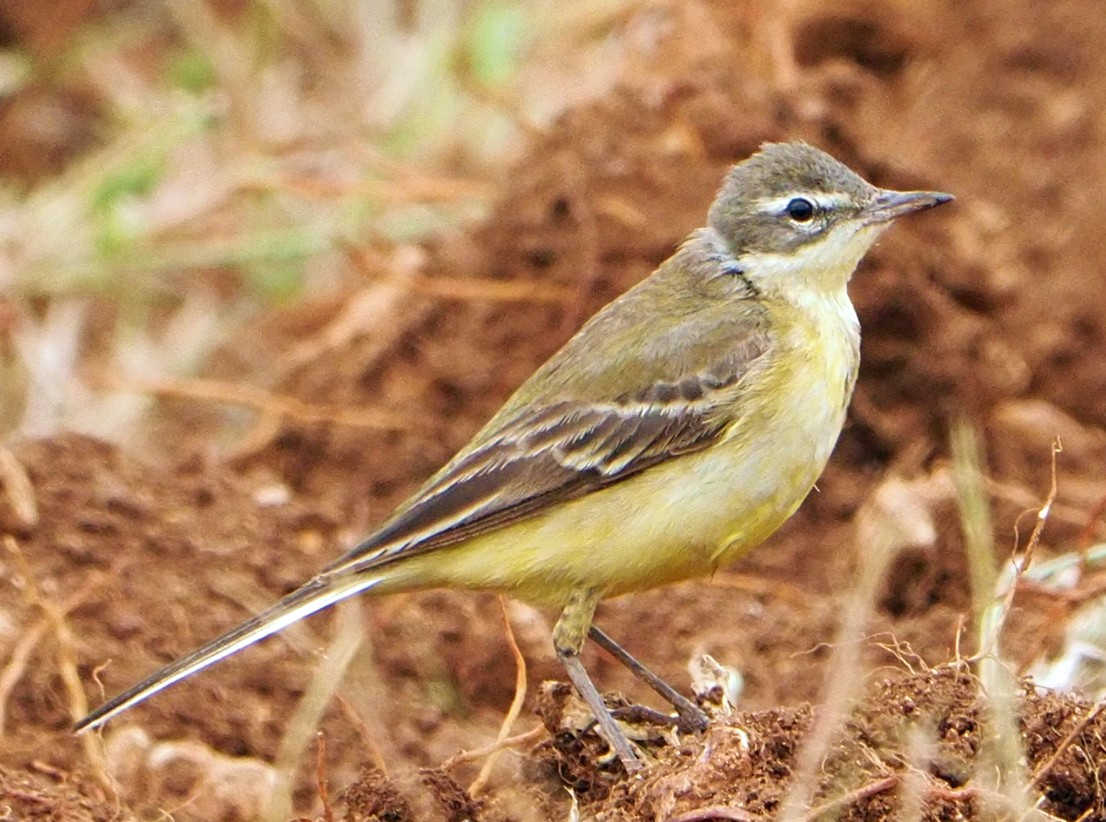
x: 680, y: 427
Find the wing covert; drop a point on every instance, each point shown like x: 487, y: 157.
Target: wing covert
x: 548, y: 454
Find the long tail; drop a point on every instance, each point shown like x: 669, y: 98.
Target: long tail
x: 317, y: 594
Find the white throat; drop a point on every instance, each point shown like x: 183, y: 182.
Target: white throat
x: 823, y: 266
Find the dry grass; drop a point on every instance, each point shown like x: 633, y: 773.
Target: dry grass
x: 239, y: 156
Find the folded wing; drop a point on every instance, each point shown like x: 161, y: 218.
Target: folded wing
x: 557, y: 452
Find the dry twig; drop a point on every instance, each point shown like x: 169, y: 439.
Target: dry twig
x: 1066, y: 743
x: 55, y: 618
x: 267, y: 402
x: 715, y: 812
x: 320, y: 777
x: 352, y: 714
x: 852, y: 797
x: 992, y: 627
x: 18, y: 489
x: 516, y: 704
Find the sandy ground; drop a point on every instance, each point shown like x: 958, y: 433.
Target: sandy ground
x: 990, y: 310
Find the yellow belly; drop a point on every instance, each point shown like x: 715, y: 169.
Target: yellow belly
x: 684, y: 517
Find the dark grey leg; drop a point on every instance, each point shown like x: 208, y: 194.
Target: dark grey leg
x: 692, y: 717
x: 569, y: 635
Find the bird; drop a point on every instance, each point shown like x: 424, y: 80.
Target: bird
x: 677, y: 430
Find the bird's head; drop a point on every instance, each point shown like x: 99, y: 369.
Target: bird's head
x: 791, y: 215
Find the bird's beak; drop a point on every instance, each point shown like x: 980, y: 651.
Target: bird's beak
x: 891, y: 204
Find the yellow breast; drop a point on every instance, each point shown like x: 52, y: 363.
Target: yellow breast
x: 686, y: 516
x: 806, y: 393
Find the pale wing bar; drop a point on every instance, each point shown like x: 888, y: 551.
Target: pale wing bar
x: 556, y: 453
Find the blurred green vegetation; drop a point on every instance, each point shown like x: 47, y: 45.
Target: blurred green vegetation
x: 246, y: 106
x: 234, y: 149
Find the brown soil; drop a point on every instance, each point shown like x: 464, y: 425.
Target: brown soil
x: 991, y: 309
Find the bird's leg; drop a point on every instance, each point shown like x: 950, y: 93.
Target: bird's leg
x: 692, y: 717
x: 569, y: 635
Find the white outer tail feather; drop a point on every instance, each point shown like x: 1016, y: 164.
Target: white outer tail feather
x: 319, y: 593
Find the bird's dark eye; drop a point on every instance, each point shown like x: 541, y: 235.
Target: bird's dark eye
x: 800, y: 210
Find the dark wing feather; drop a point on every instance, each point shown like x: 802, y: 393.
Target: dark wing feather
x: 526, y: 470
x: 554, y: 453
x: 523, y: 471
x: 541, y: 454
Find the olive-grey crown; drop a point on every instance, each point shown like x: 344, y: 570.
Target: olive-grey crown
x: 784, y: 196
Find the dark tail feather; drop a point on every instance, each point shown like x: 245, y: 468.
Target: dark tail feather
x: 320, y: 593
